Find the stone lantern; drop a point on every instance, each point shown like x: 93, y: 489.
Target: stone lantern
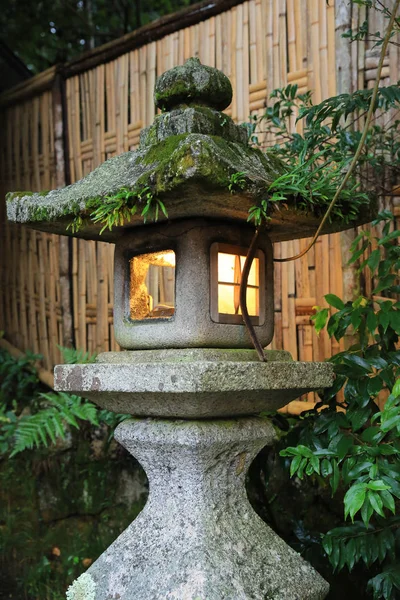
x: 188, y: 373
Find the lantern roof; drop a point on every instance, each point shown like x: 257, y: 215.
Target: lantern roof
x: 193, y: 161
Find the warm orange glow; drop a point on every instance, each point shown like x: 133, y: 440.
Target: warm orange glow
x: 159, y: 259
x: 165, y: 259
x: 230, y: 268
x: 152, y: 285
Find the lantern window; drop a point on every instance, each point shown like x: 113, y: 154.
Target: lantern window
x: 152, y: 286
x: 227, y: 262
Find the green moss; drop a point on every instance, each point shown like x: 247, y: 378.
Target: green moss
x: 10, y: 196
x: 180, y: 85
x: 161, y: 152
x: 40, y: 213
x: 174, y: 161
x: 44, y: 213
x: 176, y: 91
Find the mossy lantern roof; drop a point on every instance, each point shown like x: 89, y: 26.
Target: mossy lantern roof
x: 185, y: 159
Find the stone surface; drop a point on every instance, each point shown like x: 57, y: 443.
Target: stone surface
x: 192, y: 324
x: 193, y: 83
x: 198, y: 538
x: 197, y: 119
x: 173, y: 355
x: 176, y: 170
x: 193, y: 388
x: 186, y: 159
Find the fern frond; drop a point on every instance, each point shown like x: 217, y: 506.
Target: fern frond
x: 49, y: 423
x: 35, y: 430
x: 74, y: 356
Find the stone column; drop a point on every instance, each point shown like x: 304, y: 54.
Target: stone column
x: 198, y: 538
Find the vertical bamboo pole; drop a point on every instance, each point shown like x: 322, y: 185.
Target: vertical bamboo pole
x: 344, y: 85
x: 291, y: 33
x: 61, y: 162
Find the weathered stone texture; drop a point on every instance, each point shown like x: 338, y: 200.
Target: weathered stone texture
x: 192, y: 324
x: 190, y: 354
x: 170, y: 166
x: 192, y: 388
x: 193, y: 83
x: 198, y: 537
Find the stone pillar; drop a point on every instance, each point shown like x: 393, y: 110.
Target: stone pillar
x: 198, y: 538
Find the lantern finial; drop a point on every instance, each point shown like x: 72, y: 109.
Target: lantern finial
x: 193, y: 83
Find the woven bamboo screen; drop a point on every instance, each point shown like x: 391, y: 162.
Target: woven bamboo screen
x: 30, y: 310
x: 260, y: 45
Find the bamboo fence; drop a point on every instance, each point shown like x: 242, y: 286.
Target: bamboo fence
x: 60, y: 125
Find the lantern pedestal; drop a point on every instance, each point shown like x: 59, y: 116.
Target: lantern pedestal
x: 198, y: 537
x: 192, y: 383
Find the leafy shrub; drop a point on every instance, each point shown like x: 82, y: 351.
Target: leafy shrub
x: 355, y: 444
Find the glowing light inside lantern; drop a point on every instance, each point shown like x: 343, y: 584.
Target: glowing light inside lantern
x: 230, y: 267
x: 152, y: 285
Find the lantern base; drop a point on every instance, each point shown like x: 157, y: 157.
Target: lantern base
x: 198, y: 537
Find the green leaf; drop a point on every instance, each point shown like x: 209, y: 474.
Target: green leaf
x: 393, y: 484
x: 335, y: 477
x: 388, y: 238
x: 377, y: 485
x: 326, y: 468
x: 384, y: 284
x: 304, y: 451
x: 384, y: 320
x: 373, y: 471
x: 320, y: 319
x: 334, y: 301
x: 354, y: 499
x: 395, y: 320
x: 294, y: 465
x: 376, y: 502
x: 327, y: 543
x: 314, y: 461
x: 302, y: 466
x: 373, y: 259
x: 344, y: 446
x: 372, y: 321
x: 359, y: 417
x: 357, y: 361
x: 378, y: 362
x: 162, y: 206
x: 388, y: 500
x: 366, y: 512
x: 357, y: 469
x: 371, y: 435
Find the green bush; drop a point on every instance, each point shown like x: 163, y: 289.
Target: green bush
x: 354, y: 444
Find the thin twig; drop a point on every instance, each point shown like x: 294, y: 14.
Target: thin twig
x: 243, y: 294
